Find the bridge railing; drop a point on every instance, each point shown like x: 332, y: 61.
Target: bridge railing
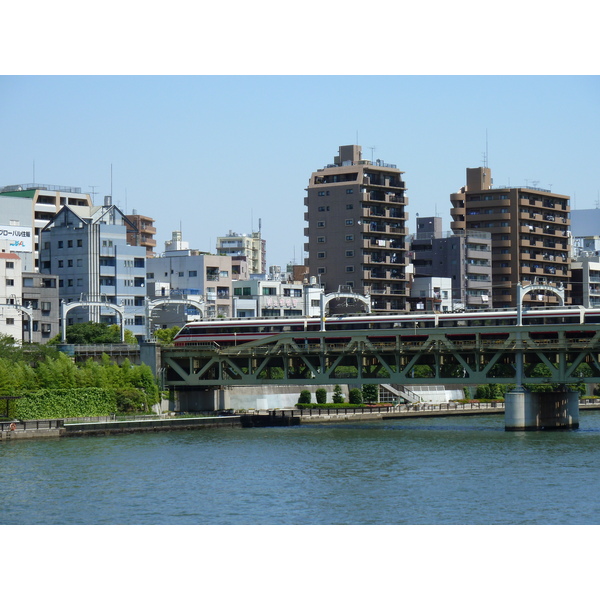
x: 32, y: 425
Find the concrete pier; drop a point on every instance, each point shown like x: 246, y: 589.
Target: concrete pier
x: 532, y: 411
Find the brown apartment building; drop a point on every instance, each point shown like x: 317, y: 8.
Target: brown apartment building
x: 356, y: 229
x: 530, y: 236
x: 143, y: 234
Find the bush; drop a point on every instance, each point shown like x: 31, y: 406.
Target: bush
x: 304, y: 397
x: 321, y: 395
x: 130, y: 401
x: 355, y: 396
x: 338, y: 397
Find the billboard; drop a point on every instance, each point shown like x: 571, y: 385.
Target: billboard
x: 16, y: 239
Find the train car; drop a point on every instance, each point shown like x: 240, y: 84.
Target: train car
x: 241, y: 330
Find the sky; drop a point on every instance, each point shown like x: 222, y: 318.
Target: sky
x: 206, y: 154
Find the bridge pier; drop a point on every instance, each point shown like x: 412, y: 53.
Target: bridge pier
x: 533, y: 411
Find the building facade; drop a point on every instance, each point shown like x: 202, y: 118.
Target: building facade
x: 356, y: 229
x: 11, y: 318
x: 252, y: 246
x: 142, y: 234
x: 86, y: 247
x: 530, y: 237
x: 42, y: 202
x: 40, y: 297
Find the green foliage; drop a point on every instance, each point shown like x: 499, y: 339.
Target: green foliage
x: 304, y: 397
x: 130, y: 400
x: 95, y: 333
x: 355, y: 396
x: 370, y: 393
x: 321, y: 395
x: 490, y: 391
x: 165, y: 336
x: 338, y: 397
x: 307, y: 405
x: 60, y: 403
x: 467, y: 393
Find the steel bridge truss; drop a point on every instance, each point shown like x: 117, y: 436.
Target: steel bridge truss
x: 456, y: 355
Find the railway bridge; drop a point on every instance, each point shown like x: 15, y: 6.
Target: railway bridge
x: 563, y: 354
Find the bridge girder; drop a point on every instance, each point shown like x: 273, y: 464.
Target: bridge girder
x: 441, y: 356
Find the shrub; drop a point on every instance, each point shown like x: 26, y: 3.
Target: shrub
x: 338, y: 397
x: 130, y: 400
x: 304, y: 397
x: 355, y: 396
x: 321, y: 395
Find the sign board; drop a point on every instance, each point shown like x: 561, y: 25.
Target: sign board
x: 16, y: 239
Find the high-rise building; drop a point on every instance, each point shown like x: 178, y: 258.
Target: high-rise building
x: 530, y: 236
x: 356, y: 229
x: 253, y: 247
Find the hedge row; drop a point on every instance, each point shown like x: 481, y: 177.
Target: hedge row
x: 60, y: 404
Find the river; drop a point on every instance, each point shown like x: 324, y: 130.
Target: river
x: 422, y: 471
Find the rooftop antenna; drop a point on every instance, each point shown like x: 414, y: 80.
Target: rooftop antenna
x: 94, y: 192
x: 372, y: 148
x: 485, y: 156
x: 34, y: 171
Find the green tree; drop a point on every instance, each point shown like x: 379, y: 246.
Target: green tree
x: 355, y: 396
x: 370, y: 393
x: 321, y: 395
x: 165, y: 336
x: 338, y: 397
x: 304, y: 397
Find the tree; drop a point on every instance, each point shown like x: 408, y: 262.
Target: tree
x: 370, y: 393
x: 321, y: 395
x: 338, y: 397
x: 355, y: 396
x: 165, y: 336
x: 95, y: 333
x: 304, y: 397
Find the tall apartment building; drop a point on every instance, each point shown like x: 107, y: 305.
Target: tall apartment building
x: 530, y: 236
x: 86, y: 246
x: 253, y: 247
x: 356, y: 229
x: 464, y: 256
x: 142, y: 233
x: 42, y: 202
x: 11, y: 281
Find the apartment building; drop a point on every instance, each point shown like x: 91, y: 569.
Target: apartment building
x: 192, y: 274
x: 356, y: 229
x: 11, y: 319
x: 529, y: 229
x: 142, y: 233
x: 86, y: 247
x: 40, y: 298
x: 31, y: 206
x: 252, y: 246
x: 464, y: 256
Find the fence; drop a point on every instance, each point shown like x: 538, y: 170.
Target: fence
x: 32, y: 425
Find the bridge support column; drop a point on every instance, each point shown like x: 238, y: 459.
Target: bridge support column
x: 532, y: 411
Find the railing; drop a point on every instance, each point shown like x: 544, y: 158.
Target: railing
x: 32, y: 425
x: 452, y: 407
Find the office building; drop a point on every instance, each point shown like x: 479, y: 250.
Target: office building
x: 29, y: 207
x: 356, y: 229
x: 86, y: 247
x: 529, y: 229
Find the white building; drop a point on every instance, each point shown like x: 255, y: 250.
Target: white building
x: 11, y: 319
x: 430, y: 294
x: 252, y: 246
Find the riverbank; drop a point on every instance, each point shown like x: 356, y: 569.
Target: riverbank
x: 57, y: 428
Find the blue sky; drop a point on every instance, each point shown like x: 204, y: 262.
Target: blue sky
x: 214, y: 153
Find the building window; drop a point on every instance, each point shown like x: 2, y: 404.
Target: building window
x: 190, y: 274
x: 70, y: 283
x: 69, y: 243
x: 321, y: 270
x: 70, y: 263
x: 349, y: 191
x: 321, y: 254
x: 349, y: 253
x: 60, y: 264
x: 223, y: 273
x: 321, y: 239
x: 10, y: 282
x: 349, y: 269
x: 10, y: 321
x: 349, y: 206
x: 79, y: 243
x: 268, y: 291
x: 60, y: 244
x: 323, y: 208
x: 46, y: 306
x: 349, y: 221
x: 10, y: 265
x: 349, y: 238
x: 320, y: 223
x: 180, y: 274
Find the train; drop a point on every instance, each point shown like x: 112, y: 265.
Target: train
x: 241, y: 330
